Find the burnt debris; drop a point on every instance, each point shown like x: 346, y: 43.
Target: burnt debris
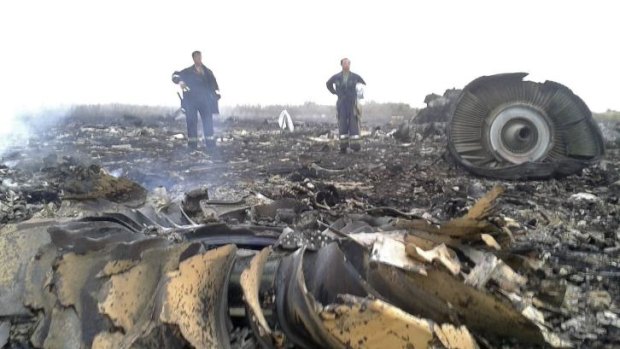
x: 278, y: 241
x: 118, y: 280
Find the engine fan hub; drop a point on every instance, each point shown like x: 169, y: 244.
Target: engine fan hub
x: 520, y: 133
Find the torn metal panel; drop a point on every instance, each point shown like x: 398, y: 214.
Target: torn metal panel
x: 329, y: 272
x: 464, y: 226
x: 250, y: 284
x: 110, y: 293
x: 296, y: 308
x: 37, y: 292
x: 5, y: 329
x: 453, y: 337
x: 367, y: 240
x: 488, y: 267
x: 107, y: 340
x: 504, y: 127
x: 218, y: 234
x: 77, y: 286
x: 41, y: 329
x: 363, y: 323
x: 473, y: 225
x: 65, y: 330
x: 440, y: 253
x: 481, y: 273
x: 81, y: 237
x: 117, y: 266
x: 443, y: 298
x: 72, y: 274
x: 392, y: 252
x: 490, y: 241
x: 128, y: 298
x: 420, y: 242
x: 18, y: 244
x: 457, y: 227
x: 312, y: 240
x: 164, y: 337
x: 195, y: 297
x: 224, y: 211
x: 483, y: 207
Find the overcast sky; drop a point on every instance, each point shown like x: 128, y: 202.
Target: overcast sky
x: 264, y: 52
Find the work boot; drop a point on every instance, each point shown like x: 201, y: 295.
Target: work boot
x: 344, y: 143
x: 355, y: 143
x: 210, y: 144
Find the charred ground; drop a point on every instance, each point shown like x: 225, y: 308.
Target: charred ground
x: 569, y: 225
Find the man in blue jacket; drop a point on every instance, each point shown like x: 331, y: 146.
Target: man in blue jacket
x: 344, y: 85
x: 200, y: 95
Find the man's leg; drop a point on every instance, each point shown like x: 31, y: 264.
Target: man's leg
x: 191, y: 117
x: 206, y: 115
x: 343, y: 125
x: 354, y: 128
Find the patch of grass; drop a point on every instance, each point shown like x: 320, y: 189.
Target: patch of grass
x: 372, y: 112
x: 609, y: 115
x: 119, y: 110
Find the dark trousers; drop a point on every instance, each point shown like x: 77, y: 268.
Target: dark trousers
x: 348, y: 123
x: 348, y: 119
x: 191, y: 115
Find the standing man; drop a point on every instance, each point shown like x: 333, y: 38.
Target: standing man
x: 344, y: 86
x: 200, y: 95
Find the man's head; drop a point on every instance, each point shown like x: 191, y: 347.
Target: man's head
x: 197, y: 57
x: 345, y: 63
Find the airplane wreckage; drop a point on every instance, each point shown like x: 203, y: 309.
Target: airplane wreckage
x: 504, y: 127
x: 145, y: 279
x: 312, y: 270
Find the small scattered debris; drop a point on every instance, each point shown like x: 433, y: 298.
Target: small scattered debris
x: 586, y: 197
x: 599, y: 300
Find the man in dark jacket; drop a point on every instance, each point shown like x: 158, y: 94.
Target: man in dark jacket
x: 344, y: 85
x: 200, y: 95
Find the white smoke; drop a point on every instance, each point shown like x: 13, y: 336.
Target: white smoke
x: 18, y: 124
x: 12, y: 130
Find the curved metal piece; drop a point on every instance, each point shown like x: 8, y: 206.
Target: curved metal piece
x: 250, y: 284
x: 504, y: 127
x: 296, y: 307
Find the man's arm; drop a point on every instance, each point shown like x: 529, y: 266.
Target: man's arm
x: 360, y: 80
x: 213, y: 82
x: 330, y: 84
x: 216, y: 86
x: 177, y: 78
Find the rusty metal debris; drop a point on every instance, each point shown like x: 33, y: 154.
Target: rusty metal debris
x: 504, y: 127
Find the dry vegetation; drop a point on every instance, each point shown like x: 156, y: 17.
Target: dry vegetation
x: 609, y: 115
x: 372, y: 111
